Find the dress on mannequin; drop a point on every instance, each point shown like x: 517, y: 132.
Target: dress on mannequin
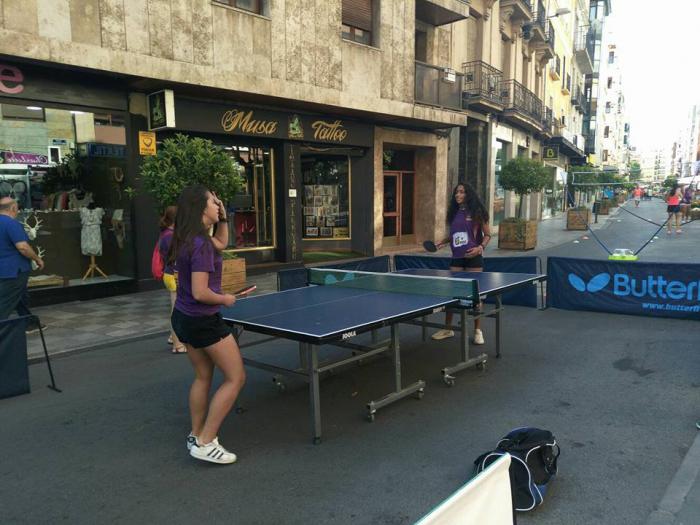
x: 91, y: 237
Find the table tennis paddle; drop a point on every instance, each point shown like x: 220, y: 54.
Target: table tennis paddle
x: 245, y: 291
x: 430, y: 246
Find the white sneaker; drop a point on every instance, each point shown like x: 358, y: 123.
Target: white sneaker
x: 212, y: 452
x: 478, y: 337
x: 443, y: 334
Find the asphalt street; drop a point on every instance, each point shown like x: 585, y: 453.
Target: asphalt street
x: 620, y: 393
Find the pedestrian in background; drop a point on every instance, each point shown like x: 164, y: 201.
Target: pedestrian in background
x: 16, y: 256
x: 167, y: 224
x: 686, y: 201
x: 197, y: 319
x: 637, y: 196
x: 673, y: 207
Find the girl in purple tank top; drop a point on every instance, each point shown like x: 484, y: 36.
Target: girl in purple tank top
x: 468, y: 221
x: 197, y: 321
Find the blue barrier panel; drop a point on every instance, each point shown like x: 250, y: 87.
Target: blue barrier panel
x: 635, y: 288
x: 14, y: 371
x: 298, y: 277
x: 524, y: 297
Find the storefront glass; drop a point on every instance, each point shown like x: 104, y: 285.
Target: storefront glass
x: 499, y: 194
x: 66, y: 169
x: 326, y: 195
x: 253, y: 209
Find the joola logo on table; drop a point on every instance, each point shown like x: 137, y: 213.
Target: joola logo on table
x: 655, y: 287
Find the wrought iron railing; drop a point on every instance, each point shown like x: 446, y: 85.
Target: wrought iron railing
x: 547, y: 120
x: 584, y: 39
x: 433, y: 88
x: 520, y: 99
x: 482, y: 81
x: 539, y: 15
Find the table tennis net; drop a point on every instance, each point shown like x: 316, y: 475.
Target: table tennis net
x: 463, y: 289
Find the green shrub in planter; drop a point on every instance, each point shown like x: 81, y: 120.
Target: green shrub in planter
x: 524, y: 176
x: 184, y: 161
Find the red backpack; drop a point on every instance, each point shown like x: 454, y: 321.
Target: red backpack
x: 157, y: 263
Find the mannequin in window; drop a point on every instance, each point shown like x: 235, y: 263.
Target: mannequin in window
x: 91, y: 236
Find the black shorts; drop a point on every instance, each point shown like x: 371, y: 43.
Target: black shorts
x: 201, y: 331
x: 673, y: 208
x: 474, y: 262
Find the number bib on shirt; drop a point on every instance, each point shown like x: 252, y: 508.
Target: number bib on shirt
x: 460, y: 239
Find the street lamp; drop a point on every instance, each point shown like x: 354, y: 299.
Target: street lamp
x: 560, y: 12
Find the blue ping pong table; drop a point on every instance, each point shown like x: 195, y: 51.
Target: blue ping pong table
x: 339, y: 305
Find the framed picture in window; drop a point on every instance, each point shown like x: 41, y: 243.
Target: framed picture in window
x: 310, y: 220
x: 330, y: 221
x: 312, y: 232
x: 341, y: 232
x: 308, y: 193
x: 318, y: 200
x: 326, y: 232
x: 309, y: 210
x: 317, y: 190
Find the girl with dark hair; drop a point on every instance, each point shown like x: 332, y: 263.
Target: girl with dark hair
x: 197, y: 321
x: 673, y: 208
x: 470, y: 233
x: 167, y: 225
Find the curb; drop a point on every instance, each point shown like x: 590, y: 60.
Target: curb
x: 676, y: 492
x: 96, y: 346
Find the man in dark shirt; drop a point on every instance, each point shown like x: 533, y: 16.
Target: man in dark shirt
x: 16, y: 256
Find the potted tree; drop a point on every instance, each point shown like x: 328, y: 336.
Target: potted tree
x: 182, y: 161
x: 522, y: 176
x: 578, y: 216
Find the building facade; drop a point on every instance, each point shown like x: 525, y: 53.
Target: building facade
x: 341, y: 130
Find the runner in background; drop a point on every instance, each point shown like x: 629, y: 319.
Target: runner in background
x: 637, y: 196
x: 673, y: 207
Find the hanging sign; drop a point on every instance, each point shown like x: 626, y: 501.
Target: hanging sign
x: 147, y: 143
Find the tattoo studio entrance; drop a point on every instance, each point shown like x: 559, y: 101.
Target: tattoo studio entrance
x: 399, y: 198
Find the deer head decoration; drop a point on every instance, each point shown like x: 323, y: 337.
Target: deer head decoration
x: 40, y: 252
x: 32, y: 231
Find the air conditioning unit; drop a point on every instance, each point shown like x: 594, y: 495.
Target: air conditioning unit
x: 449, y: 75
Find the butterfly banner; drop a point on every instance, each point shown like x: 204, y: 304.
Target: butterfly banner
x: 636, y: 288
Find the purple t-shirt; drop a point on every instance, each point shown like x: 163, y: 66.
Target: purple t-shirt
x: 203, y: 257
x: 463, y: 235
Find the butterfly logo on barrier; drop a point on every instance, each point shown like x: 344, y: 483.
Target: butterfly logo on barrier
x: 596, y: 284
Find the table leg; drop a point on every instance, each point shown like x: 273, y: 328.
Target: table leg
x: 499, y: 308
x: 314, y: 395
x: 399, y: 392
x: 466, y: 361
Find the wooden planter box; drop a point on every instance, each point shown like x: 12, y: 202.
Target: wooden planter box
x: 517, y: 235
x: 695, y: 213
x: 604, y: 208
x: 233, y: 275
x: 578, y: 219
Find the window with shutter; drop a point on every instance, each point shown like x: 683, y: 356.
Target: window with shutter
x: 357, y: 20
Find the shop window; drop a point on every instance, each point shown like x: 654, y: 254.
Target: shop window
x: 253, y: 209
x: 254, y: 6
x: 73, y: 195
x: 610, y: 82
x: 606, y: 132
x: 358, y: 19
x: 326, y: 186
x: 14, y: 112
x: 499, y: 194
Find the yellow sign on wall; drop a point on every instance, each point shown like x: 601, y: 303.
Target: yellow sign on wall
x: 147, y: 143
x: 551, y: 152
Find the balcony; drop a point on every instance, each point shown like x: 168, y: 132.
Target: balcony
x: 522, y: 107
x: 571, y: 145
x: 438, y: 86
x: 441, y: 12
x: 555, y: 69
x: 566, y: 85
x: 482, y: 87
x: 584, y: 49
x: 548, y: 122
x: 522, y: 9
x: 541, y: 35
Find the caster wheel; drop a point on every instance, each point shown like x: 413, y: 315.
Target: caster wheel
x: 281, y: 386
x: 481, y: 366
x: 420, y: 393
x: 317, y: 441
x: 449, y: 380
x: 370, y: 417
